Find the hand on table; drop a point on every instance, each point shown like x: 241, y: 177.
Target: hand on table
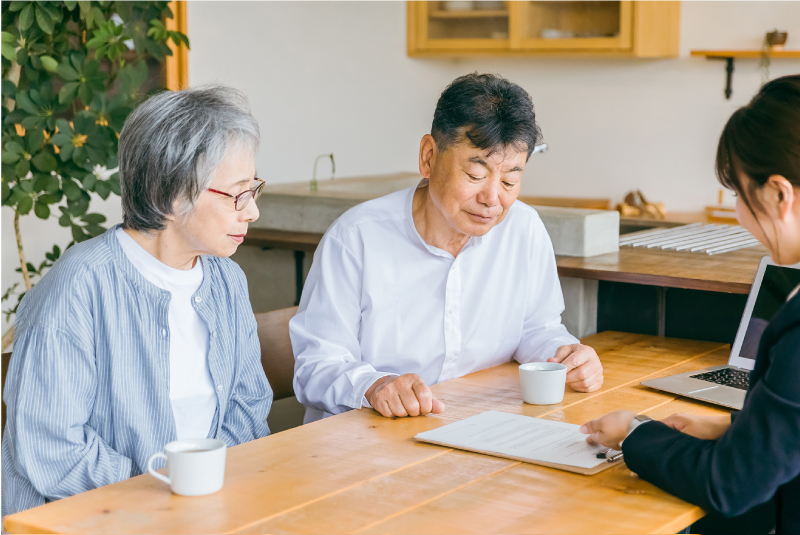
x: 703, y: 427
x: 405, y: 395
x: 610, y: 430
x: 584, y: 371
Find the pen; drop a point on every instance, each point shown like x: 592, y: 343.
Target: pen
x: 615, y: 457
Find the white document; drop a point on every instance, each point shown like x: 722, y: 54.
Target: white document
x: 520, y: 437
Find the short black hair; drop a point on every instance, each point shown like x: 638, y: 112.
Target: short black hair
x: 490, y: 111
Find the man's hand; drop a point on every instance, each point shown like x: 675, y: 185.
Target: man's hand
x: 704, y: 427
x: 610, y: 430
x: 406, y: 395
x: 584, y: 371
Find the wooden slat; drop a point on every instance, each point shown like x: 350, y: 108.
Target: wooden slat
x: 360, y: 472
x: 755, y: 54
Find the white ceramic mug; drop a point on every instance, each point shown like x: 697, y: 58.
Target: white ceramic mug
x: 196, y: 467
x: 543, y: 382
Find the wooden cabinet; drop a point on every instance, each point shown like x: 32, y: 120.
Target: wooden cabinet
x: 600, y: 28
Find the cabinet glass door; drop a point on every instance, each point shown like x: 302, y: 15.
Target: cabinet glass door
x: 587, y: 25
x: 465, y: 24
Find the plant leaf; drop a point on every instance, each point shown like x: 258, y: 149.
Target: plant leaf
x: 24, y: 102
x: 24, y: 206
x: 35, y: 140
x: 26, y: 17
x: 68, y: 92
x: 103, y: 189
x: 41, y: 210
x: 10, y: 157
x: 94, y: 219
x: 71, y: 189
x: 44, y: 161
x: 77, y: 233
x: 22, y: 167
x: 9, y: 53
x: 48, y: 63
x: 44, y: 20
x: 66, y: 72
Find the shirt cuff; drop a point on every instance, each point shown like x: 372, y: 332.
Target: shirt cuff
x: 125, y: 469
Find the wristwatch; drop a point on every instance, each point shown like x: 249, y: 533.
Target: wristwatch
x: 637, y: 421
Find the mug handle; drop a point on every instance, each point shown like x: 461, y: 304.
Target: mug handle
x: 152, y: 471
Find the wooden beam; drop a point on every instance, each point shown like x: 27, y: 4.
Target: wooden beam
x: 177, y: 66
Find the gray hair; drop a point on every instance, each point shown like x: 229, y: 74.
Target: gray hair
x: 171, y: 145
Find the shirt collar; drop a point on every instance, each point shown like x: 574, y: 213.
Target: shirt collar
x: 130, y: 271
x: 474, y: 241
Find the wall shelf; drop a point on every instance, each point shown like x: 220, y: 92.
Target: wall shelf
x: 730, y: 55
x: 752, y: 54
x: 469, y: 14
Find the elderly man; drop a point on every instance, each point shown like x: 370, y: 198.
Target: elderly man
x: 441, y: 280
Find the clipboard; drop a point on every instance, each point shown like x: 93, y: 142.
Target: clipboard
x: 488, y: 421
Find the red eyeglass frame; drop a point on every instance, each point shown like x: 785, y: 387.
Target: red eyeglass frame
x: 255, y: 193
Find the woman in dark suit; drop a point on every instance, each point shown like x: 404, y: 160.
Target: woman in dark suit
x: 745, y: 465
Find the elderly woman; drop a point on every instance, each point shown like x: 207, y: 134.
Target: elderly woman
x: 144, y: 335
x: 440, y: 280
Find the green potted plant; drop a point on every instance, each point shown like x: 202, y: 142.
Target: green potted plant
x: 773, y: 41
x: 72, y: 72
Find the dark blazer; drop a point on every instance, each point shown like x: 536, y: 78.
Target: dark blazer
x: 757, y: 458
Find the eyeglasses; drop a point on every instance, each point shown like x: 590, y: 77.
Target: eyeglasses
x: 241, y: 200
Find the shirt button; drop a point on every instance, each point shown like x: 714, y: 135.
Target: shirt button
x: 219, y: 388
x: 164, y: 333
x: 450, y: 311
x: 214, y: 334
x: 197, y: 299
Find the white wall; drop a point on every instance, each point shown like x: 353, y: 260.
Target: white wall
x: 334, y: 76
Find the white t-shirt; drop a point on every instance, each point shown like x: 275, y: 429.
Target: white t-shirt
x: 191, y: 390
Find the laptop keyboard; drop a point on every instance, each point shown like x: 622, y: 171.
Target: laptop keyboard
x: 726, y: 376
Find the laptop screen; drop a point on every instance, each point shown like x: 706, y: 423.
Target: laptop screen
x: 776, y: 286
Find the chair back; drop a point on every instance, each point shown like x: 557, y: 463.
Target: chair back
x: 276, y: 354
x: 277, y: 357
x: 4, y: 370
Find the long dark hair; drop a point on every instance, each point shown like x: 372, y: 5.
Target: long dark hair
x: 762, y: 139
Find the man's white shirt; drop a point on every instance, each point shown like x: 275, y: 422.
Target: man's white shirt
x: 380, y: 301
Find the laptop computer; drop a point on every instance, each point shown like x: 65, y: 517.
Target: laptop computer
x: 727, y: 385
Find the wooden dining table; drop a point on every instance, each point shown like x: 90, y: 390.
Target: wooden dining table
x: 359, y: 472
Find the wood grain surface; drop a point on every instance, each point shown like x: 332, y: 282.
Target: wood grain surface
x: 731, y: 272
x: 361, y: 473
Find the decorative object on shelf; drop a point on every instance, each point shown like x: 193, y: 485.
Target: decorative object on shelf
x: 489, y: 5
x: 72, y: 72
x: 313, y: 184
x: 730, y: 55
x: 459, y: 5
x: 635, y: 205
x: 721, y: 211
x: 694, y: 238
x: 773, y: 41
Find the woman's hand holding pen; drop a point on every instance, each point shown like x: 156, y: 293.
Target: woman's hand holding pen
x: 610, y: 430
